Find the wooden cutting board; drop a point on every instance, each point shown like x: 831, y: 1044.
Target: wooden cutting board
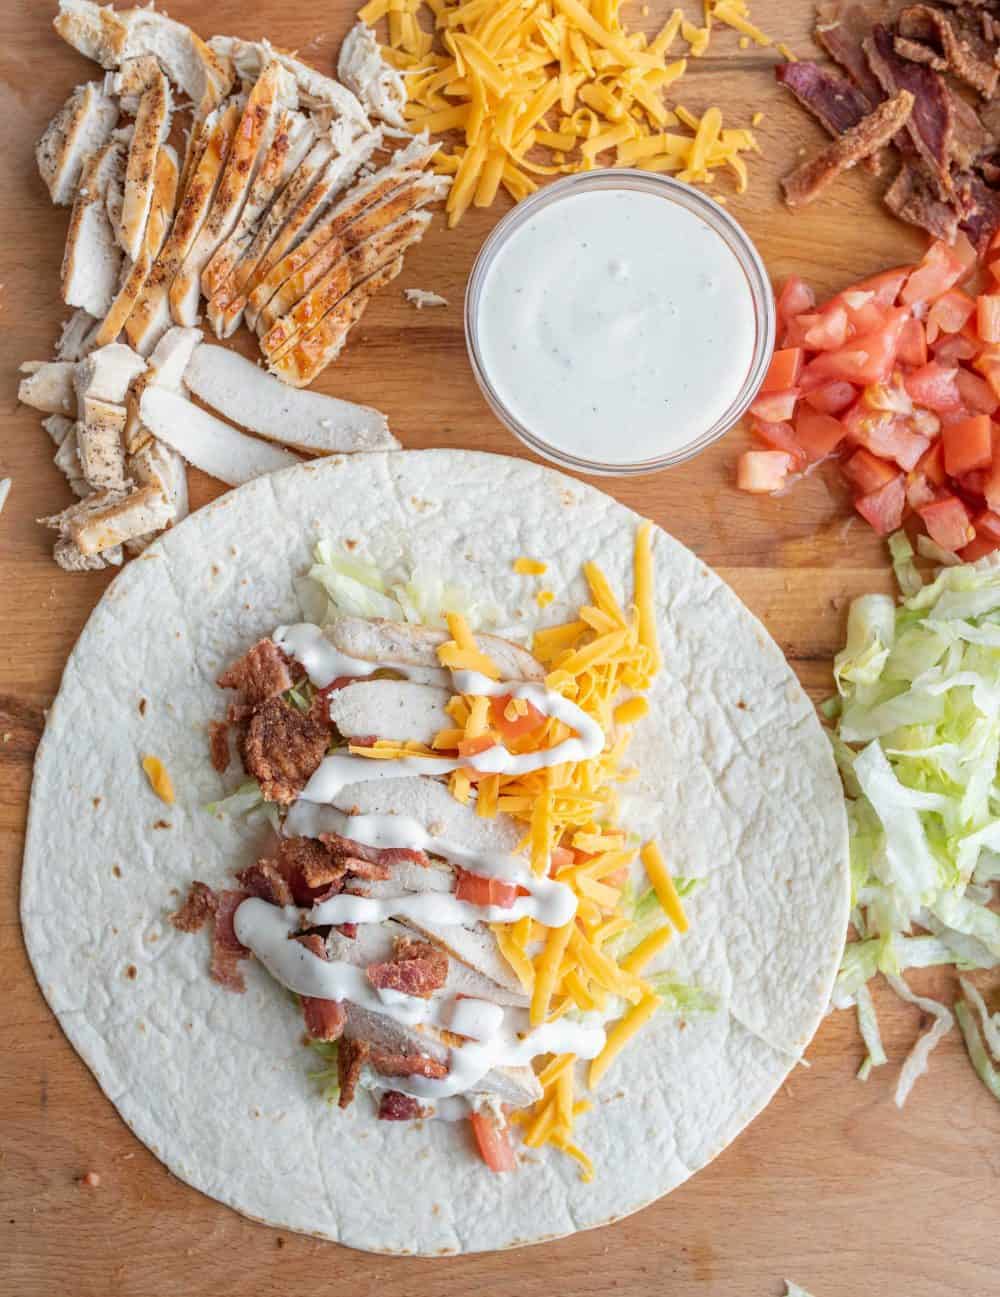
x: 831, y: 1186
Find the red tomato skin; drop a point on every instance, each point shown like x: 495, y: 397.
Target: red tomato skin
x: 952, y: 348
x: 828, y: 330
x: 883, y: 509
x: 867, y: 472
x: 988, y: 317
x: 775, y: 407
x: 493, y: 1142
x: 511, y: 730
x: 864, y: 313
x: 978, y: 548
x: 967, y: 445
x: 886, y: 285
x: 886, y: 436
x: 862, y: 360
x: 783, y: 371
x: 976, y: 393
x: 933, y: 387
x: 949, y: 313
x: 779, y: 436
x: 818, y: 434
x: 913, y: 344
x: 939, y: 270
x: 795, y: 297
x: 831, y: 398
x: 987, y: 524
x: 478, y: 890
x: 947, y: 522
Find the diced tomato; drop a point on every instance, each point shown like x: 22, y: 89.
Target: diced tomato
x: 831, y: 398
x: 933, y: 386
x: 947, y: 417
x: 978, y: 548
x: 976, y: 394
x: 939, y: 270
x: 775, y: 407
x: 883, y: 509
x: 472, y: 747
x: 783, y: 371
x: 795, y: 297
x: 968, y: 445
x: 953, y: 347
x: 988, y: 317
x: 913, y: 344
x: 991, y: 488
x: 931, y: 465
x: 561, y: 858
x: 862, y: 360
x: 949, y: 313
x: 987, y: 523
x: 829, y: 330
x: 918, y: 490
x: 517, y: 728
x: 867, y: 472
x: 762, y: 471
x: 885, y: 435
x: 864, y: 313
x: 972, y: 484
x: 478, y: 890
x: 494, y: 1142
x: 818, y: 434
x: 779, y: 436
x: 989, y: 366
x: 947, y: 522
x: 966, y: 253
x: 885, y: 285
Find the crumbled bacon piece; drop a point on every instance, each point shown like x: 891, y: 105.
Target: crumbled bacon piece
x: 394, y: 1106
x: 199, y: 905
x: 226, y: 948
x: 955, y: 46
x: 262, y: 673
x: 416, y: 968
x: 929, y: 121
x: 265, y: 880
x: 283, y: 747
x: 841, y: 29
x: 218, y: 745
x: 351, y: 1057
x: 345, y: 847
x: 324, y: 1018
x: 407, y: 1065
x: 836, y: 103
x: 911, y: 198
x: 311, y: 857
x: 349, y: 930
x: 371, y: 869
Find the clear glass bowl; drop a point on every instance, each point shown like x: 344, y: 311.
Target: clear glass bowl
x: 661, y: 186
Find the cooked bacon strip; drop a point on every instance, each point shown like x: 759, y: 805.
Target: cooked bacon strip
x: 407, y: 1065
x: 841, y: 30
x: 218, y: 745
x: 262, y: 673
x: 199, y: 906
x: 929, y: 123
x: 416, y: 968
x: 226, y: 949
x: 963, y: 52
x: 283, y: 747
x: 809, y: 180
x: 310, y: 867
x: 918, y: 52
x: 265, y: 880
x: 351, y: 1057
x: 324, y: 1018
x: 835, y: 103
x: 394, y: 1106
x: 982, y: 216
x: 365, y: 868
x: 344, y: 848
x: 970, y: 139
x: 912, y: 199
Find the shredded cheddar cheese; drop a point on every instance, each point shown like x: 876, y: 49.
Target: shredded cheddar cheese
x: 159, y: 780
x: 663, y: 885
x: 530, y: 567
x: 549, y: 87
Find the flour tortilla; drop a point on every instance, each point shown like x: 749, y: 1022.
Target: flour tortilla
x: 737, y: 780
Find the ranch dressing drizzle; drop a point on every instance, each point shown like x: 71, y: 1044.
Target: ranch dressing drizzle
x: 265, y: 929
x: 323, y: 663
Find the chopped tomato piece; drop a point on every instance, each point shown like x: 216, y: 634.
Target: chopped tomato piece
x: 947, y: 522
x: 779, y: 436
x: 966, y: 253
x: 883, y: 509
x: 478, y: 890
x: 493, y: 1141
x: 913, y: 344
x: 991, y: 488
x: 828, y: 330
x: 976, y: 393
x: 868, y: 472
x: 987, y: 523
x: 520, y: 726
x: 794, y: 298
x: 989, y: 366
x: 953, y: 347
x: 818, y: 434
x: 774, y: 407
x: 783, y: 371
x: 762, y: 471
x: 933, y: 386
x: 972, y: 484
x: 968, y: 445
x: 562, y: 857
x: 932, y: 465
x: 885, y: 285
x: 864, y: 313
x: 988, y: 317
x: 831, y: 398
x: 940, y: 270
x: 472, y: 747
x: 949, y: 313
x: 886, y: 435
x: 863, y: 360
x: 978, y: 548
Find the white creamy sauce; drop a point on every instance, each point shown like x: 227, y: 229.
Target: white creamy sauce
x: 324, y: 663
x: 616, y: 326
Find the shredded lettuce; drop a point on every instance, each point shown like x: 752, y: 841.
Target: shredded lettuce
x: 794, y: 1290
x: 871, y: 629
x: 915, y: 1063
x: 247, y: 797
x: 681, y: 997
x: 978, y: 1054
x: 901, y: 551
x: 327, y: 1077
x: 870, y: 1034
x: 990, y: 1022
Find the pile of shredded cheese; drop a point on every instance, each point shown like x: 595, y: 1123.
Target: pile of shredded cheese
x: 548, y: 87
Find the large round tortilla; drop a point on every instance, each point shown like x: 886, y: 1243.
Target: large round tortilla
x: 737, y: 780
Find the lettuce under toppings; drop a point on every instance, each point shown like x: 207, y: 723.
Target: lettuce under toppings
x: 916, y: 735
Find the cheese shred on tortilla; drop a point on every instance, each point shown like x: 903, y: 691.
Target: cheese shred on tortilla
x: 548, y: 87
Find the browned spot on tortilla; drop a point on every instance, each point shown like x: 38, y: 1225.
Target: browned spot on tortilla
x: 116, y: 870
x: 142, y: 707
x: 95, y: 801
x: 741, y: 705
x: 131, y: 972
x: 161, y: 824
x: 351, y: 544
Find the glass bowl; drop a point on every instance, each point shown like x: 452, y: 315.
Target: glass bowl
x: 695, y: 202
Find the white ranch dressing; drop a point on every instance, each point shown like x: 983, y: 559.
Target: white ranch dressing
x: 324, y: 663
x: 616, y: 326
x: 265, y: 929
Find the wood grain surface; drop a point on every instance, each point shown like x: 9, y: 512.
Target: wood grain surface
x: 831, y: 1186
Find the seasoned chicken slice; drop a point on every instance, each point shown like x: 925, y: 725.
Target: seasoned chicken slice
x: 355, y: 266
x: 157, y: 465
x: 99, y: 444
x: 81, y: 127
x: 92, y: 260
x: 150, y: 317
x: 141, y: 82
x: 78, y: 336
x: 142, y: 511
x: 158, y: 223
x: 71, y: 558
x: 387, y: 642
x: 254, y: 399
x: 271, y: 95
x: 165, y: 368
x: 107, y: 373
x: 380, y: 87
x: 58, y: 426
x: 390, y: 709
x: 67, y: 460
x: 293, y: 138
x: 48, y: 386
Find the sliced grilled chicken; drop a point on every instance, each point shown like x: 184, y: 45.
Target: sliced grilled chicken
x: 140, y: 82
x: 254, y: 399
x: 58, y: 426
x: 77, y: 337
x: 157, y: 465
x: 48, y: 386
x: 380, y: 87
x: 92, y: 260
x: 390, y: 709
x: 386, y: 642
x: 158, y: 223
x: 316, y: 91
x: 99, y: 444
x: 67, y: 460
x: 81, y: 127
x: 150, y: 317
x: 339, y: 171
x: 165, y: 368
x: 70, y: 558
x: 142, y: 511
x: 293, y: 138
x: 271, y: 95
x: 106, y: 373
x: 293, y: 263
x: 346, y: 274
